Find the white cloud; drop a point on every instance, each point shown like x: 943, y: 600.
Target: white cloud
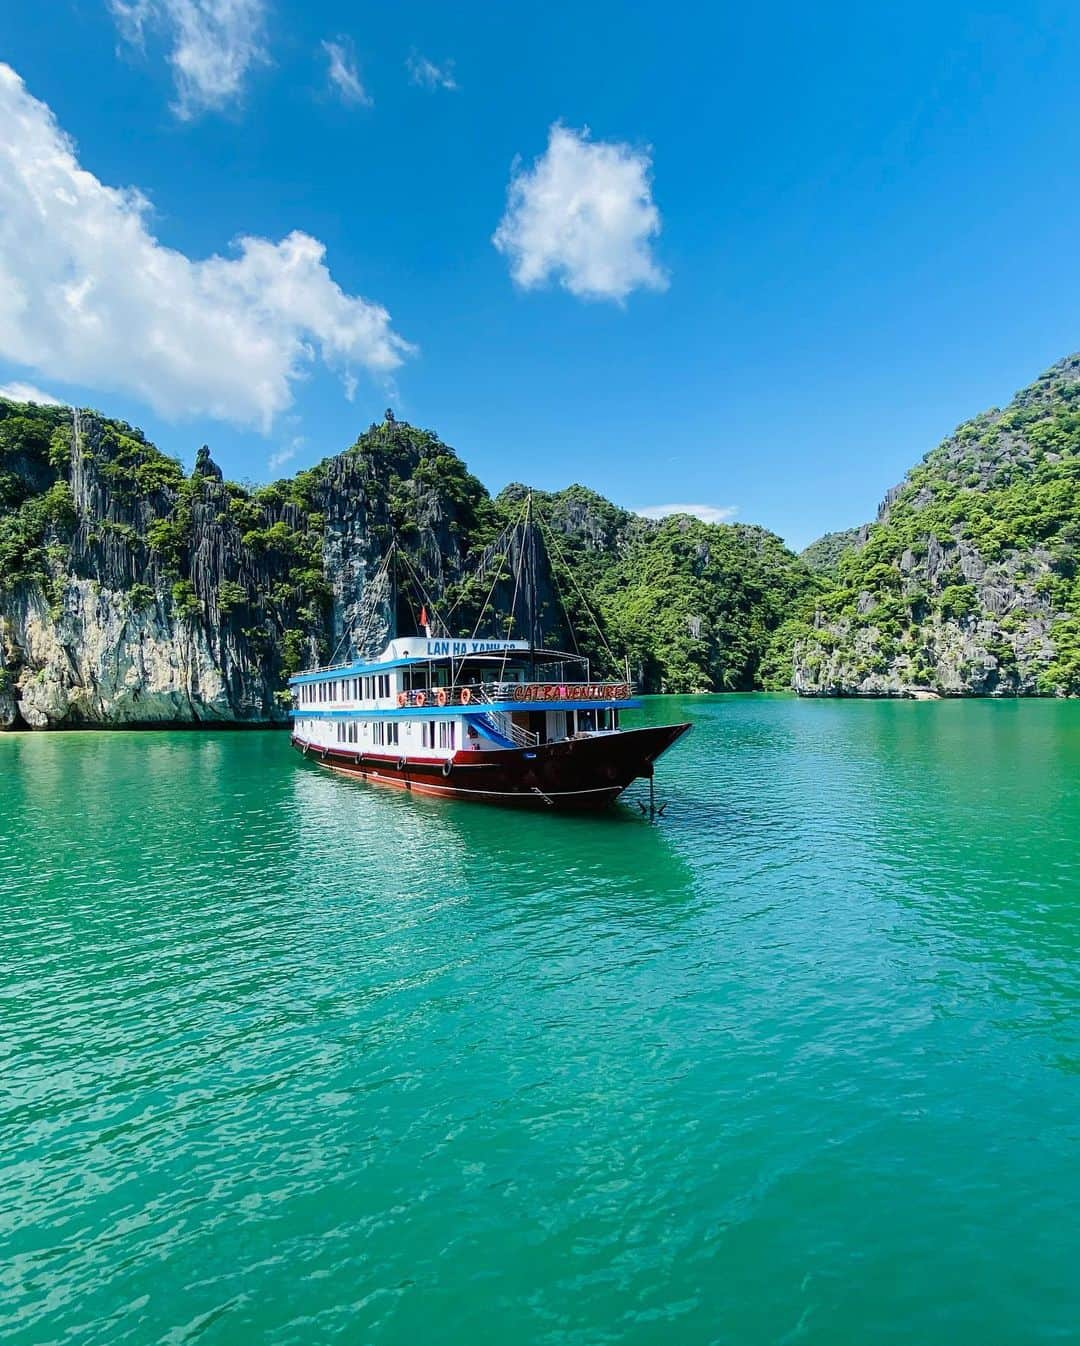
x: 583, y: 215
x: 89, y: 296
x: 214, y: 45
x: 343, y: 73
x: 706, y: 513
x: 429, y: 75
x: 26, y: 392
x: 287, y: 454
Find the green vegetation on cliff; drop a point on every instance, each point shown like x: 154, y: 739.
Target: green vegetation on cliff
x: 36, y: 509
x: 696, y: 607
x: 969, y: 579
x: 265, y: 580
x: 823, y: 555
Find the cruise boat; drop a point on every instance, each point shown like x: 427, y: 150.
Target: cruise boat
x: 487, y: 720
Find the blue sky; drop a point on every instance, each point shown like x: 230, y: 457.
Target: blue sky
x: 813, y: 239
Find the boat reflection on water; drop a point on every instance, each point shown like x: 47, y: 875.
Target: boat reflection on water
x: 389, y: 846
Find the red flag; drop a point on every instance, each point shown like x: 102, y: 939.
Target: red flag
x: 423, y: 616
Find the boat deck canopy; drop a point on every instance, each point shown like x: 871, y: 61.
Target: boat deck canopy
x: 410, y: 650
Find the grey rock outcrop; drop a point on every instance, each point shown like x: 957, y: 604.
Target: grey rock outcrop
x: 965, y: 584
x: 155, y: 599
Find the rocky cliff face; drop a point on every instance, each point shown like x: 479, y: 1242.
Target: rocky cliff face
x: 131, y: 594
x: 99, y: 627
x: 823, y: 555
x: 966, y: 584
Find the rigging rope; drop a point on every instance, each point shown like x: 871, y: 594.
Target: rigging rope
x: 425, y: 597
x: 584, y: 603
x: 517, y: 583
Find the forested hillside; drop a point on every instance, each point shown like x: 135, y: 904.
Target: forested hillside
x: 968, y: 581
x: 133, y: 592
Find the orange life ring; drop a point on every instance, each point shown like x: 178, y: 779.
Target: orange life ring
x: 420, y: 698
x: 401, y: 698
x: 440, y: 697
x: 466, y: 696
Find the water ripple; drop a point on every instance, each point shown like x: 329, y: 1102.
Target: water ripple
x: 290, y: 1059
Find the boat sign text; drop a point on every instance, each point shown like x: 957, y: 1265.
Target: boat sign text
x: 457, y: 648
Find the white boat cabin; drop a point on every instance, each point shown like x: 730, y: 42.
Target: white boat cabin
x: 435, y: 697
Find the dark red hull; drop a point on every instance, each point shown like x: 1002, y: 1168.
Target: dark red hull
x: 575, y: 774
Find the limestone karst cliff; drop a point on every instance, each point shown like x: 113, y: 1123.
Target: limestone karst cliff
x: 134, y: 593
x: 967, y: 582
x: 131, y: 593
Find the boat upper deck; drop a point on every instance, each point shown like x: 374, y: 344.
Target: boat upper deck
x: 419, y: 650
x: 455, y: 675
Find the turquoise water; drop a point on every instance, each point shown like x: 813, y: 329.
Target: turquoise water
x: 286, y: 1058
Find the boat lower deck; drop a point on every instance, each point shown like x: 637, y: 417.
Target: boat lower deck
x: 577, y: 774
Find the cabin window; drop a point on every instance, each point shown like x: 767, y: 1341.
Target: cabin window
x: 446, y: 734
x: 392, y: 733
x: 384, y: 684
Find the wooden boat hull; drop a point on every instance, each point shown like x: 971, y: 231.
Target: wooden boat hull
x: 580, y: 774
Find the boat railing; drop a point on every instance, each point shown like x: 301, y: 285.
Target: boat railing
x: 516, y: 694
x: 325, y: 668
x: 524, y: 692
x: 504, y: 723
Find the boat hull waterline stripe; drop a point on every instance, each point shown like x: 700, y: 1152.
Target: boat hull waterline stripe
x: 570, y: 774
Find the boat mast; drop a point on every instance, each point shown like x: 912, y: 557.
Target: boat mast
x: 393, y: 584
x: 528, y: 546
